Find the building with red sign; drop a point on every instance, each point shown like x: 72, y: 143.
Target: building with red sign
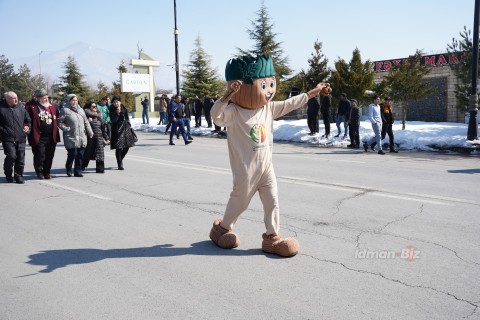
x: 439, y: 106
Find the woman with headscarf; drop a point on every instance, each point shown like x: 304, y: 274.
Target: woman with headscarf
x: 75, y: 126
x: 122, y: 136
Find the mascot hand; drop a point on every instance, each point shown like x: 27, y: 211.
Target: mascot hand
x: 321, y: 87
x: 232, y: 88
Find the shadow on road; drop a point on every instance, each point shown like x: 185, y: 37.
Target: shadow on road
x: 467, y: 171
x: 55, y: 259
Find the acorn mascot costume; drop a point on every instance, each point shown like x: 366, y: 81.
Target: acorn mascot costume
x: 247, y: 110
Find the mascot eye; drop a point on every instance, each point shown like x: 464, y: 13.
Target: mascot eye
x: 264, y: 85
x: 272, y: 84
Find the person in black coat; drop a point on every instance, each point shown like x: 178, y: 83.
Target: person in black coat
x: 95, y: 149
x: 207, y: 106
x: 313, y: 108
x: 325, y: 110
x: 197, y: 111
x: 15, y: 124
x: 354, y: 125
x: 122, y: 138
x: 342, y: 115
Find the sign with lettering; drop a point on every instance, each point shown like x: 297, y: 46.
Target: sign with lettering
x: 135, y: 82
x: 434, y: 60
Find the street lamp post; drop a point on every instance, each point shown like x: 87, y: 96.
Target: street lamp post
x: 472, y: 123
x: 177, y: 71
x: 39, y: 62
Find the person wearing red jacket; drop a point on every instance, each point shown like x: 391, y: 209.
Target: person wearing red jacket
x: 44, y: 136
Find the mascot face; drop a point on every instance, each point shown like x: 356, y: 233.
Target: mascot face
x: 258, y: 78
x: 257, y: 94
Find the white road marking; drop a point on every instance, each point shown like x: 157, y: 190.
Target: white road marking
x: 424, y: 198
x: 63, y: 187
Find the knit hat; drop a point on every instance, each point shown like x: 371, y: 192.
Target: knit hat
x: 247, y: 68
x: 40, y: 93
x: 70, y: 97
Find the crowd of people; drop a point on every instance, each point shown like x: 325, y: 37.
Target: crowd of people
x: 86, y: 131
x: 380, y: 115
x: 177, y: 114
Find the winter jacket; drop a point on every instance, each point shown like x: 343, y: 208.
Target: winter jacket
x: 344, y: 107
x: 354, y: 115
x: 163, y: 105
x: 326, y: 105
x: 96, y: 143
x: 75, y: 119
x: 313, y: 107
x: 120, y: 127
x: 197, y: 106
x: 12, y: 121
x: 387, y: 113
x: 36, y: 132
x: 105, y: 112
x: 177, y: 110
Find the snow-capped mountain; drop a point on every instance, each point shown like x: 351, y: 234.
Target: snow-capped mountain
x: 94, y: 63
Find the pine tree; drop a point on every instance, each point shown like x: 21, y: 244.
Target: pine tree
x: 102, y: 90
x: 25, y: 84
x: 7, y: 72
x: 463, y: 69
x: 405, y: 82
x: 199, y: 77
x: 353, y: 78
x: 265, y: 43
x: 318, y: 70
x: 73, y: 81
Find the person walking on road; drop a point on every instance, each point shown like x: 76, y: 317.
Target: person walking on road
x: 14, y: 126
x: 75, y: 126
x: 375, y: 117
x: 44, y: 136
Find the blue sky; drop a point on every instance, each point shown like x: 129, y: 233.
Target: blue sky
x: 379, y: 29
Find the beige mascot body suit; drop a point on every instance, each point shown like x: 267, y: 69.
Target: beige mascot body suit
x: 247, y: 111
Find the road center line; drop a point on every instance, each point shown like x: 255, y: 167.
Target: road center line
x: 63, y: 187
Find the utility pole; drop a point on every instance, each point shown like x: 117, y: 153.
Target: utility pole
x: 40, y: 62
x: 177, y: 69
x: 472, y: 123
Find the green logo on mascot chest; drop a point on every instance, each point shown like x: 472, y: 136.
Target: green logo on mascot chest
x: 258, y: 133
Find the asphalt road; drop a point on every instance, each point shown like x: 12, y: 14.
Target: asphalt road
x: 382, y: 237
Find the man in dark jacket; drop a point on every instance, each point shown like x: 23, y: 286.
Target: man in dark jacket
x: 207, y: 106
x: 44, y: 136
x: 325, y: 110
x: 354, y: 125
x: 145, y: 104
x: 342, y: 114
x: 14, y: 126
x: 313, y: 108
x: 197, y: 111
x: 176, y: 114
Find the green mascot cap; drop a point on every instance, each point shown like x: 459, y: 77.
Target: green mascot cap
x: 247, y: 68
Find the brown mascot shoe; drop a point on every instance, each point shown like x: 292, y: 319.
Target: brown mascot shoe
x: 287, y: 247
x: 222, y: 237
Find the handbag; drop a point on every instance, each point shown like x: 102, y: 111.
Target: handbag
x: 129, y: 135
x: 134, y: 134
